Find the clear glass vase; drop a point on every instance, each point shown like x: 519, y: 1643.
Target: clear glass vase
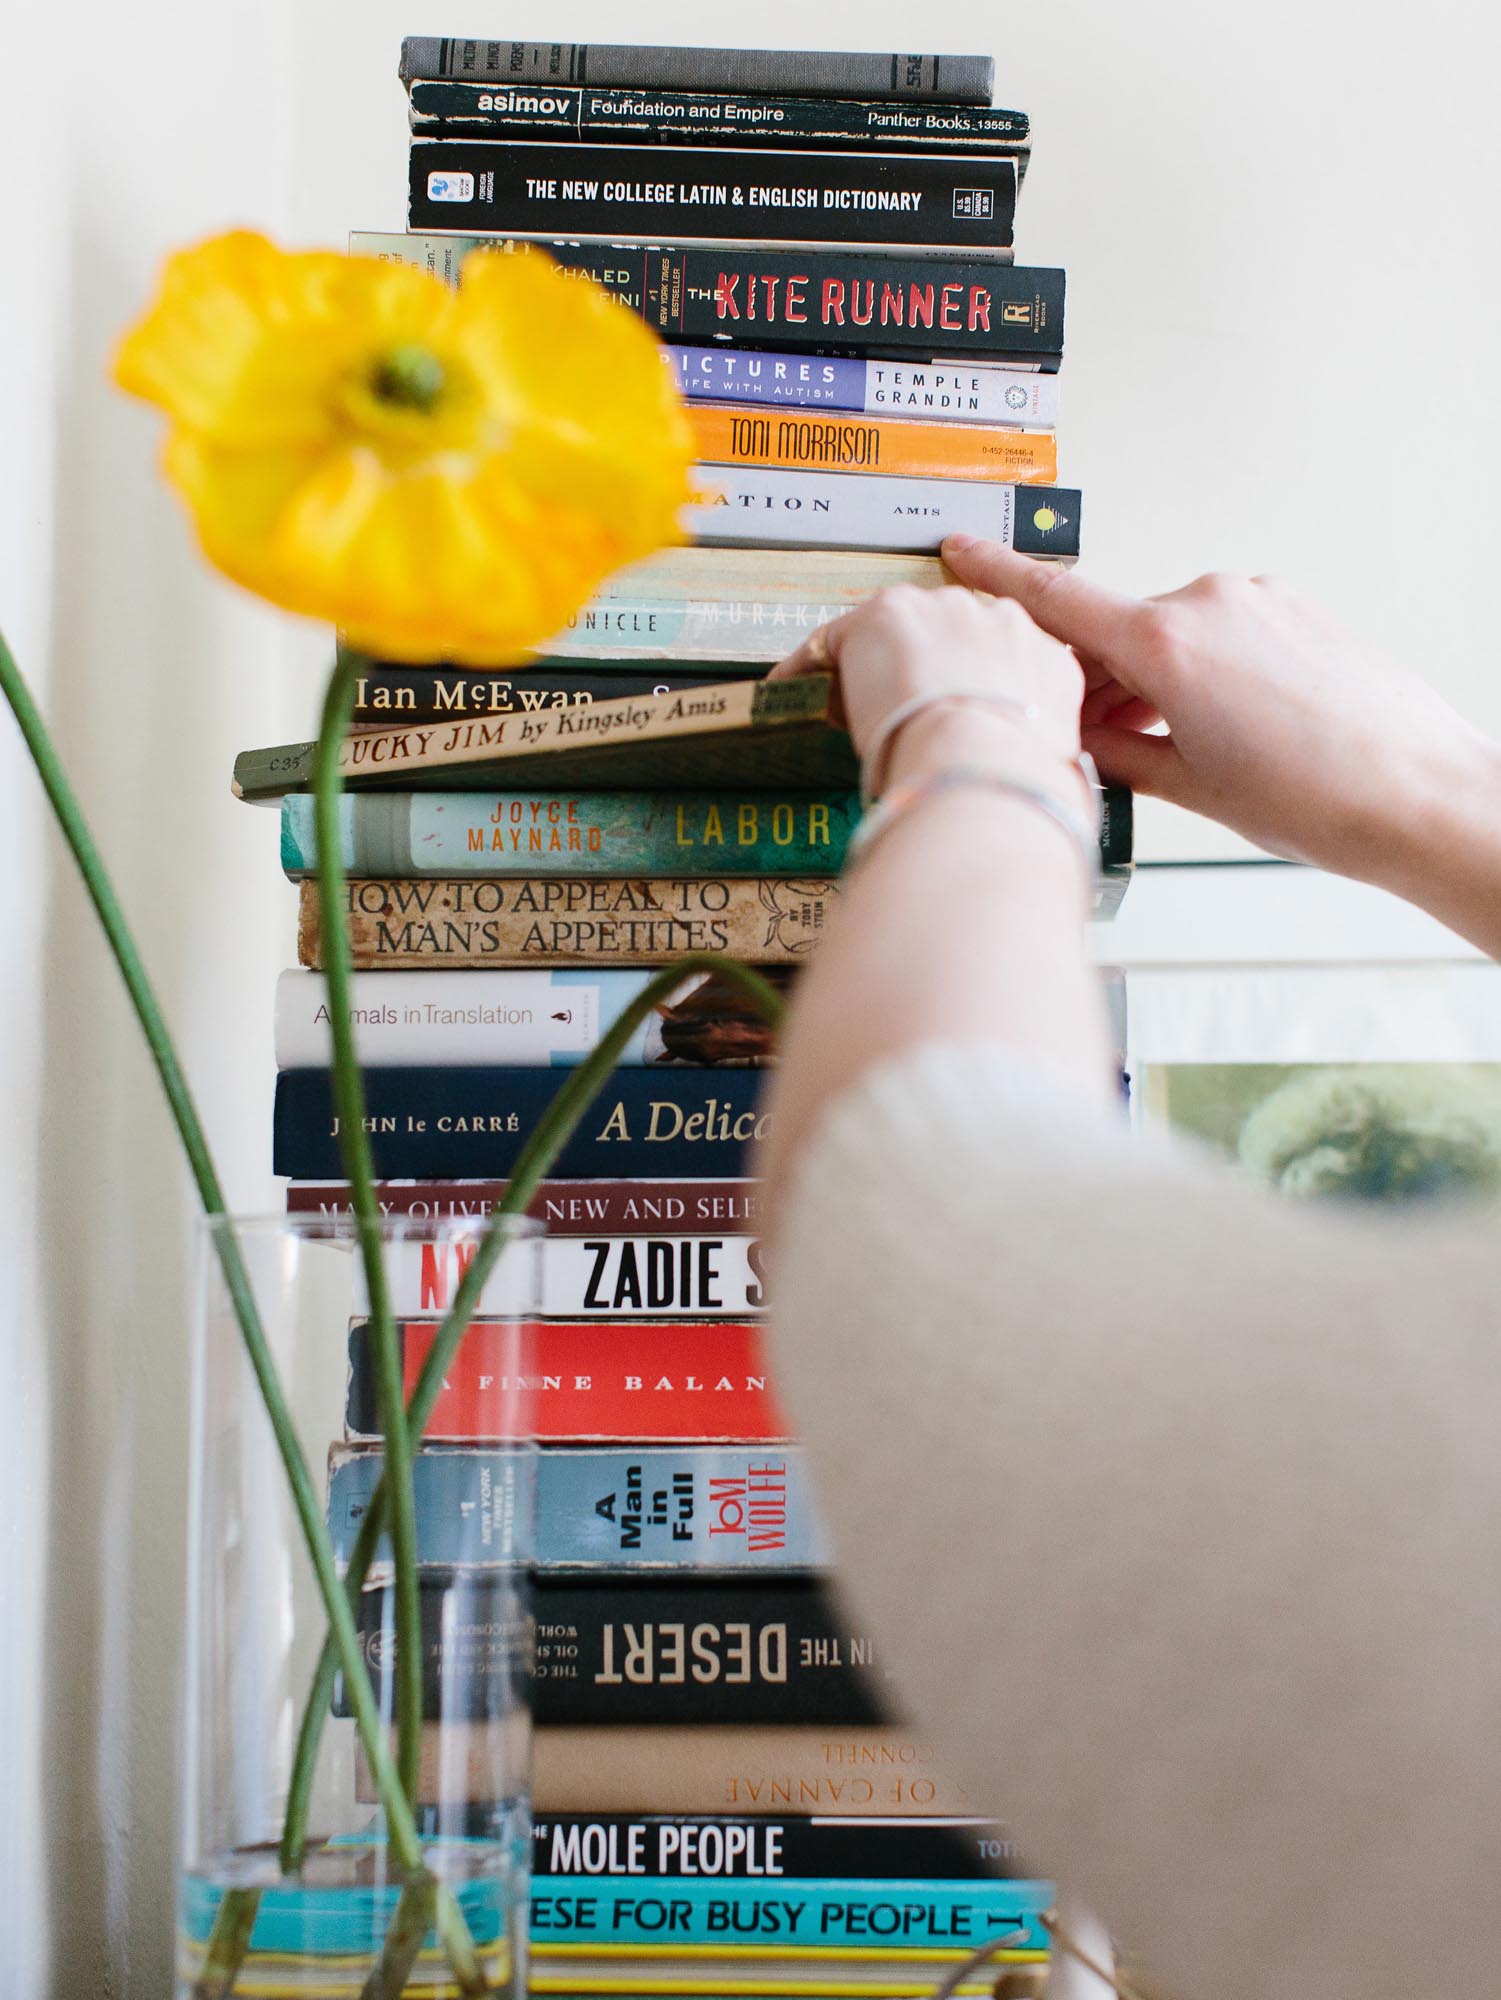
x: 256, y: 1916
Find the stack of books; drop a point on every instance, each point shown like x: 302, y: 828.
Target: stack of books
x: 725, y: 1800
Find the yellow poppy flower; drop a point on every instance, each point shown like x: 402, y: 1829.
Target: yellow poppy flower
x: 441, y: 473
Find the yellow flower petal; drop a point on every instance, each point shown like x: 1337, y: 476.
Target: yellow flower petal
x: 463, y: 508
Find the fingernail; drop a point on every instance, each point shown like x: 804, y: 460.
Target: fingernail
x: 960, y: 542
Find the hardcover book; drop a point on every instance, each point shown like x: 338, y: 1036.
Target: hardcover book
x: 392, y: 693
x: 770, y: 734
x: 556, y: 1016
x: 458, y: 1123
x: 618, y: 115
x: 759, y: 507
x: 794, y: 442
x: 941, y: 391
x: 811, y: 72
x: 568, y: 1208
x: 586, y: 1381
x: 431, y: 926
x: 908, y: 303
x: 623, y: 1650
x: 692, y: 195
x: 803, y: 1845
x: 703, y: 1508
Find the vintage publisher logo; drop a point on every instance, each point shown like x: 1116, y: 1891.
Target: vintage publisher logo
x: 450, y: 187
x: 974, y: 204
x: 1017, y: 398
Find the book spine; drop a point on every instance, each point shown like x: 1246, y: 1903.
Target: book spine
x: 621, y: 1652
x: 399, y: 694
x: 581, y: 1845
x: 887, y: 445
x: 639, y: 1507
x: 658, y: 1768
x: 942, y: 79
x: 946, y: 392
x: 910, y: 201
x: 557, y: 1016
x: 582, y: 1381
x: 582, y: 1276
x: 453, y: 107
x: 771, y: 922
x: 533, y: 838
x: 569, y: 1208
x: 452, y: 1123
x: 753, y: 507
x: 907, y: 303
x: 910, y: 1915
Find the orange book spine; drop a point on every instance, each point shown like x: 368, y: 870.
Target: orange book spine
x: 799, y: 441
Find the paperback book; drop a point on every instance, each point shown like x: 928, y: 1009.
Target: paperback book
x: 392, y: 693
x: 902, y: 303
x: 684, y: 193
x: 461, y: 1123
x: 793, y: 442
x: 554, y: 1016
x: 751, y: 506
x: 620, y: 1650
x: 568, y: 1208
x: 454, y: 107
x: 581, y: 1845
x: 940, y: 391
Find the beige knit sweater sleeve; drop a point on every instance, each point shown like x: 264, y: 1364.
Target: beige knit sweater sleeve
x: 1179, y: 1511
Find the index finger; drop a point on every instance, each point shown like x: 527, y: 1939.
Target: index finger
x: 1058, y: 600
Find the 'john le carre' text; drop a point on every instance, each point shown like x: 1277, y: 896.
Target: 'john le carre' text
x: 666, y: 1122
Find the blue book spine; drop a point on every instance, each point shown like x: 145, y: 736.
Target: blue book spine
x: 963, y: 392
x: 694, y: 1507
x: 877, y: 1916
x: 471, y: 1124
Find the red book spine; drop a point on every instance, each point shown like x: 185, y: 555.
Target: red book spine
x: 572, y: 1381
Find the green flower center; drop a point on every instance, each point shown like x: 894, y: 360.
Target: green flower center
x: 409, y: 378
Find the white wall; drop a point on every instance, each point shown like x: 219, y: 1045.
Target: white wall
x: 1279, y: 230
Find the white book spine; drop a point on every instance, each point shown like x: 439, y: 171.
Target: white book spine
x: 442, y: 1019
x: 772, y: 508
x: 579, y: 1277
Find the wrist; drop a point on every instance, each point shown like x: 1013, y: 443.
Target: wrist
x: 949, y: 734
x: 1439, y: 844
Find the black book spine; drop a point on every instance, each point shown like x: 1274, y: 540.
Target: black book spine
x: 457, y: 110
x: 628, y: 1652
x: 388, y: 695
x: 712, y: 194
x: 831, y: 301
x: 467, y: 1124
x: 893, y: 78
x: 799, y: 1847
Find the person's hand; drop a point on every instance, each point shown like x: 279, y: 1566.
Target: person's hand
x: 906, y: 642
x: 1278, y: 725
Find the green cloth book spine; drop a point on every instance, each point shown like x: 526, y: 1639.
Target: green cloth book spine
x: 405, y: 834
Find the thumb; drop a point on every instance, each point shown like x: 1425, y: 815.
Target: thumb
x: 1058, y: 600
x: 1150, y: 764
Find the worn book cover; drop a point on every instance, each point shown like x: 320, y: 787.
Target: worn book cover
x: 773, y: 735
x: 685, y: 193
x: 943, y: 79
x: 433, y: 926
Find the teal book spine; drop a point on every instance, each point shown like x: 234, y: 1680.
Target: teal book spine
x: 405, y: 834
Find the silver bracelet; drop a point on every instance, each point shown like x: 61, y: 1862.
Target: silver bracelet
x: 893, y: 805
x: 873, y: 763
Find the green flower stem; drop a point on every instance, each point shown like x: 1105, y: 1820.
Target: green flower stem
x: 410, y: 1923
x: 537, y: 1159
x: 354, y: 1149
x: 344, y: 1639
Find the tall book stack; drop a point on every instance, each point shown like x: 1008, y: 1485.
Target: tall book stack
x: 725, y: 1799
